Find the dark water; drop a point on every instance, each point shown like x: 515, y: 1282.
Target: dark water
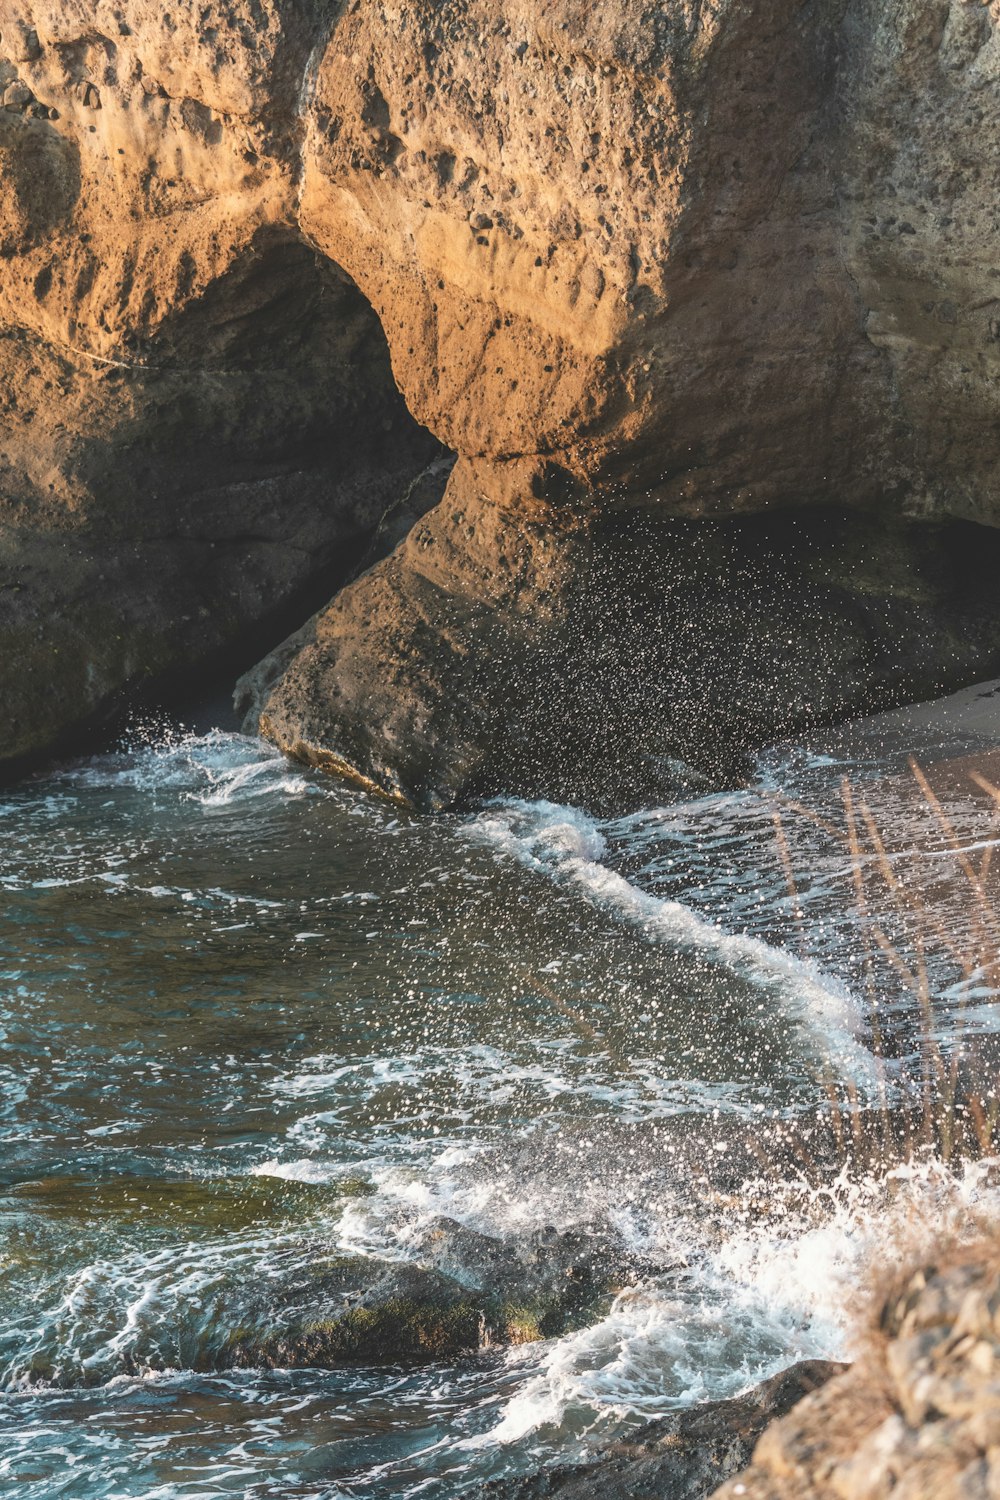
x: 257, y: 1025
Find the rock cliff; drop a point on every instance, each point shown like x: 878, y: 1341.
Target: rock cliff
x: 200, y: 430
x: 703, y: 296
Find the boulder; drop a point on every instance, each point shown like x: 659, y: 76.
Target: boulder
x: 462, y: 1293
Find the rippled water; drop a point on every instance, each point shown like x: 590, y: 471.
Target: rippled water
x: 261, y: 1033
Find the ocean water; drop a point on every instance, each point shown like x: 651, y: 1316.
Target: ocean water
x: 261, y: 1032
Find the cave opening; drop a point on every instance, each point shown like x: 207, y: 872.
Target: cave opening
x: 227, y: 479
x: 304, y: 447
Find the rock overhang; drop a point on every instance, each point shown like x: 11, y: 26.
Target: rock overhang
x: 622, y: 258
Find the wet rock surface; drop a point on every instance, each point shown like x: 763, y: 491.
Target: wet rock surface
x: 581, y: 661
x: 462, y: 1293
x: 685, y: 1455
x: 918, y: 1415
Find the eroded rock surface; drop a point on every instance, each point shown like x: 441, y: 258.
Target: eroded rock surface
x: 723, y: 255
x: 917, y: 1416
x: 200, y: 430
x: 708, y: 261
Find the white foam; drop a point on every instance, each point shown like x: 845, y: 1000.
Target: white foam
x: 568, y: 844
x: 216, y: 769
x: 303, y: 1169
x: 769, y: 1293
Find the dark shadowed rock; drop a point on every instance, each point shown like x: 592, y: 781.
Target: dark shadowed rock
x: 683, y: 1456
x: 464, y: 1292
x: 513, y: 649
x: 200, y: 433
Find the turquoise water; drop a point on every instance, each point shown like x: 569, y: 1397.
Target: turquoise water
x: 262, y: 1035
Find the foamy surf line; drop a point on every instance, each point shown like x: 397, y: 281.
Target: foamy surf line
x: 564, y: 842
x: 777, y: 1290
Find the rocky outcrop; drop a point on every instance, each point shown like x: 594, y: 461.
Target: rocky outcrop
x: 682, y: 1456
x: 199, y: 429
x: 504, y: 650
x: 703, y: 262
x: 917, y: 1416
x: 699, y: 261
x: 605, y: 240
x: 707, y: 254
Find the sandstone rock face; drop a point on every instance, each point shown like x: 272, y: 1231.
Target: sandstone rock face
x: 921, y: 145
x: 918, y: 1416
x: 703, y: 260
x: 607, y: 239
x: 719, y: 255
x: 199, y: 428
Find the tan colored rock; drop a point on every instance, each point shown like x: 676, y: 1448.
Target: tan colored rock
x: 918, y: 1417
x: 606, y: 236
x: 199, y: 430
x: 706, y: 260
x: 726, y: 255
x: 697, y: 259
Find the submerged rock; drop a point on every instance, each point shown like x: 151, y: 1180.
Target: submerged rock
x: 465, y: 1292
x: 196, y: 1204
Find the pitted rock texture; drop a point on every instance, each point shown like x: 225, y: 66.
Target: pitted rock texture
x: 607, y: 235
x: 720, y: 255
x: 708, y: 259
x: 918, y: 1416
x: 199, y: 428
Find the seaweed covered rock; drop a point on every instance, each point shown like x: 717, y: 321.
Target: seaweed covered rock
x: 464, y: 1292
